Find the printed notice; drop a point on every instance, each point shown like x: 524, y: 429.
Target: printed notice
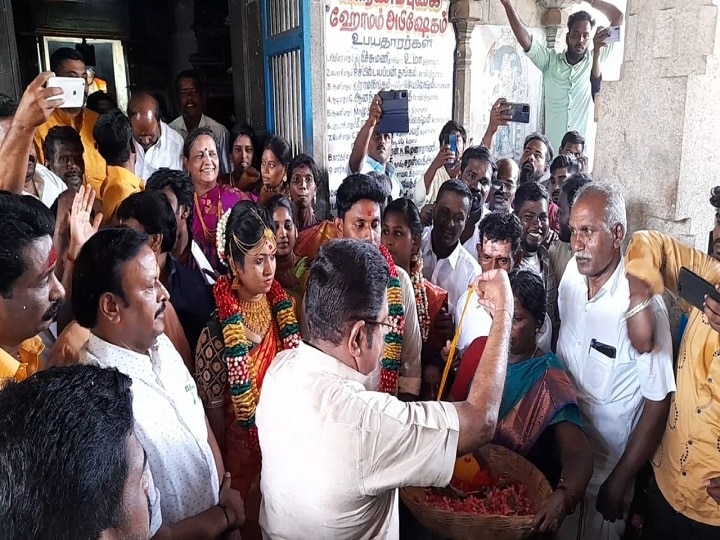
x: 374, y: 45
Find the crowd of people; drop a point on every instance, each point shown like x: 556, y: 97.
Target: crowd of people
x: 191, y: 348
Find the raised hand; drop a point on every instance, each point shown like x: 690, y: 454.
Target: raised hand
x: 81, y: 228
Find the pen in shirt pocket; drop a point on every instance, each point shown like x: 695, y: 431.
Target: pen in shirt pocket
x: 607, y: 350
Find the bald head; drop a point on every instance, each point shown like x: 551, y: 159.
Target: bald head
x: 508, y: 170
x: 144, y: 113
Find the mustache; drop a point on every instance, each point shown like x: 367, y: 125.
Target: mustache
x: 52, y: 312
x: 161, y: 310
x: 583, y: 255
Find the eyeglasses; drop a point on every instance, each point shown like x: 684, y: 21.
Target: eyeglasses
x: 386, y: 325
x: 507, y: 186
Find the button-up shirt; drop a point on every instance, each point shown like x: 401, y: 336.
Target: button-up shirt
x: 118, y: 186
x: 568, y: 99
x: 169, y: 423
x: 689, y: 453
x: 454, y: 274
x: 334, y: 453
x: 222, y: 136
x: 370, y: 165
x: 610, y: 390
x: 83, y: 123
x: 166, y: 152
x: 471, y: 244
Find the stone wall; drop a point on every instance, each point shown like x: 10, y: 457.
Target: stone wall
x: 658, y: 134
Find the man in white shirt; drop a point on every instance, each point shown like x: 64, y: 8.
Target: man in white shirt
x: 117, y: 294
x: 446, y: 263
x: 156, y: 144
x: 191, y: 98
x: 624, y: 377
x: 334, y: 450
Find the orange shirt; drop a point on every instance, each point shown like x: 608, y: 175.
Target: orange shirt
x: 25, y: 364
x: 689, y: 453
x: 83, y: 123
x: 118, y: 186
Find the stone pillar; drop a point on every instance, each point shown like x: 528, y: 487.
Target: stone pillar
x: 657, y: 132
x: 464, y: 15
x: 554, y: 18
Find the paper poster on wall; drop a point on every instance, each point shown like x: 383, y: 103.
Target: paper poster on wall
x: 373, y: 45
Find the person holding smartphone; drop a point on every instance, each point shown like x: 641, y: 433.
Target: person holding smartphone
x: 445, y: 166
x: 566, y: 75
x: 684, y: 499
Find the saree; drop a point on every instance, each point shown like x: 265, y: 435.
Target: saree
x: 309, y: 240
x: 437, y: 298
x: 240, y: 458
x: 537, y: 394
x: 207, y: 211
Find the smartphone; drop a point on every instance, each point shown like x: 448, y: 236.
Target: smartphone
x: 395, y: 118
x: 520, y: 112
x: 614, y: 34
x: 451, y: 142
x: 73, y: 91
x: 693, y: 289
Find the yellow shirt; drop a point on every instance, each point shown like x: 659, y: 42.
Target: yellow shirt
x: 118, y: 186
x: 83, y: 123
x: 25, y: 364
x: 689, y: 453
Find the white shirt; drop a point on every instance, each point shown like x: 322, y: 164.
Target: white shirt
x: 334, y: 453
x: 169, y: 423
x: 166, y: 152
x: 477, y: 323
x: 454, y: 274
x: 610, y: 390
x: 222, y: 135
x: 49, y: 184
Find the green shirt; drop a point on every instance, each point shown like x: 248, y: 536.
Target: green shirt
x: 568, y: 100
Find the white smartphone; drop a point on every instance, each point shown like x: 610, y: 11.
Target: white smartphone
x: 73, y: 91
x: 614, y: 34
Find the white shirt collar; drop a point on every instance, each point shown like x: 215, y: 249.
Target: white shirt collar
x: 427, y: 249
x: 133, y: 364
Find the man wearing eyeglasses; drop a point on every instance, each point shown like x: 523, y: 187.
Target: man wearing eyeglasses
x: 334, y: 450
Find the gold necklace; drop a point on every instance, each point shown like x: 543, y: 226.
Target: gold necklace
x: 257, y: 316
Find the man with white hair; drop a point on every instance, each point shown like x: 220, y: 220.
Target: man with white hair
x: 618, y: 350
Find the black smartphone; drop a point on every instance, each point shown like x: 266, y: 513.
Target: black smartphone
x: 520, y: 112
x: 395, y: 118
x: 607, y: 350
x: 693, y: 289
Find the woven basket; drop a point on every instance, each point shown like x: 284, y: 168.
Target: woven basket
x: 467, y: 526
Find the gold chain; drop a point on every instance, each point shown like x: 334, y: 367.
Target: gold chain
x: 257, y: 316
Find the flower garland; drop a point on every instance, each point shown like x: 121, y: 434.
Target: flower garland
x: 242, y: 373
x: 390, y: 363
x: 421, y: 299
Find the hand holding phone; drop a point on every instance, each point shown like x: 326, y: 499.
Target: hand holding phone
x: 613, y: 35
x: 73, y: 91
x: 519, y: 112
x: 693, y: 289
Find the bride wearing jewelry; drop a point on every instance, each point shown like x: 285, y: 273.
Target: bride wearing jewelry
x: 254, y: 321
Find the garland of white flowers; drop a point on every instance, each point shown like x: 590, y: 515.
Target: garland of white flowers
x: 220, y: 237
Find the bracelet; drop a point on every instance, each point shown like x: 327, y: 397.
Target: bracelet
x: 227, y: 517
x: 637, y: 309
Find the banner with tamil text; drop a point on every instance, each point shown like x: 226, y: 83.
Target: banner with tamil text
x: 373, y: 45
